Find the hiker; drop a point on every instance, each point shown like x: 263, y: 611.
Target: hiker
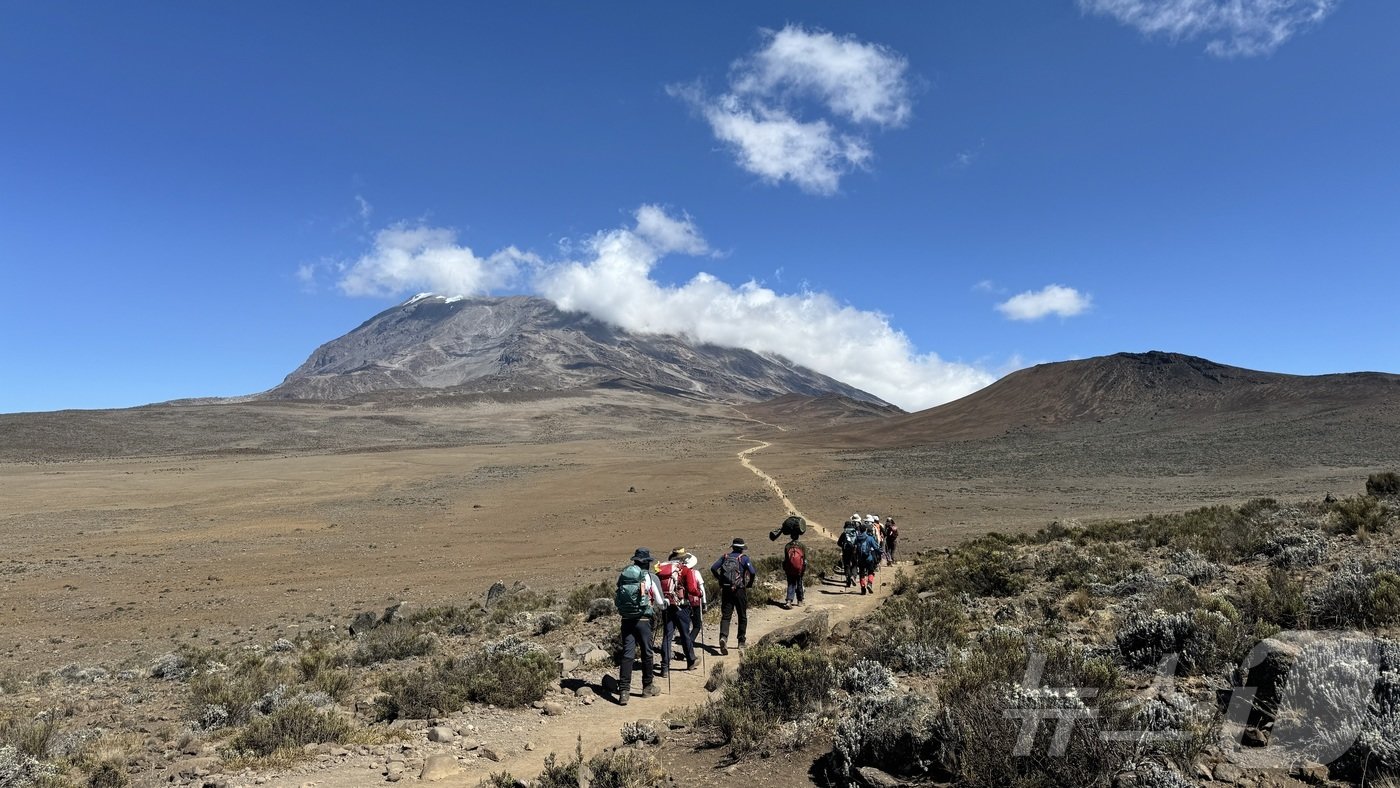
x: 638, y: 596
x: 736, y: 575
x: 877, y: 529
x: 847, y: 543
x: 891, y: 537
x: 867, y: 558
x: 794, y: 526
x: 680, y: 585
x: 794, y: 567
x: 697, y: 610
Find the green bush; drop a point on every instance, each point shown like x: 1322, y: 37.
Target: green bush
x: 291, y: 727
x: 982, y: 567
x: 783, y: 682
x: 391, y: 642
x: 506, y: 674
x: 1363, y: 597
x: 448, y: 619
x: 580, y: 598
x: 33, y: 738
x: 228, y: 697
x: 108, y: 774
x: 1363, y: 514
x: 625, y: 769
x: 1382, y: 485
x: 1279, y: 600
x: 911, y: 633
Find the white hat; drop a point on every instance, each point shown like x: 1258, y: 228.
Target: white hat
x: 690, y: 560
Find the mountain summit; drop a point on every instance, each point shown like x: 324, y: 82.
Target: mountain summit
x: 525, y: 343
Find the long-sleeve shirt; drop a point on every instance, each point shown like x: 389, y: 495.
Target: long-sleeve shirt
x: 651, y: 590
x: 747, y: 573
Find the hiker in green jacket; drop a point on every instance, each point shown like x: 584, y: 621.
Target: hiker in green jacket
x: 638, y: 597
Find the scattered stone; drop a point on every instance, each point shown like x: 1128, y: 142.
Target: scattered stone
x: 1313, y: 772
x: 489, y: 754
x: 529, y: 746
x: 1227, y: 772
x: 283, y: 645
x: 363, y: 622
x: 598, y: 654
x: 393, y: 614
x: 875, y: 778
x: 582, y: 650
x: 439, y: 767
x: 441, y: 734
x: 552, y: 709
x: 812, y: 630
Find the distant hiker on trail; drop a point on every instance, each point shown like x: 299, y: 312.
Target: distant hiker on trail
x: 867, y: 558
x: 682, y: 588
x: 638, y: 596
x: 847, y: 543
x: 794, y: 526
x: 794, y: 567
x: 891, y: 538
x: 736, y: 575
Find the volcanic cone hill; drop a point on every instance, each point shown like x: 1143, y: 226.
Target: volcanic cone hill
x: 1132, y: 391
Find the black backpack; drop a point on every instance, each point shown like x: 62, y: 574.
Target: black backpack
x: 731, y: 572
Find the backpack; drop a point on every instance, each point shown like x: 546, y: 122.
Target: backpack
x: 794, y: 559
x: 631, y: 602
x: 731, y: 573
x: 672, y: 574
x: 869, y: 550
x: 847, y: 542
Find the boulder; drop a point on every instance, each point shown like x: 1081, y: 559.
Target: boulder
x: 494, y: 593
x: 812, y: 630
x: 440, y: 734
x: 875, y: 778
x: 393, y: 614
x: 363, y: 622
x: 439, y: 767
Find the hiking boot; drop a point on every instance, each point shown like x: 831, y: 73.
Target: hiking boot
x: 742, y: 644
x: 650, y: 691
x: 623, y: 693
x: 690, y: 664
x: 723, y: 649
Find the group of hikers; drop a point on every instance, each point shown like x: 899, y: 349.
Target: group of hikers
x: 674, y: 591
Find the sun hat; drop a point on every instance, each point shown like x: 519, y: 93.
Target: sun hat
x: 678, y: 554
x: 739, y: 544
x: 691, y: 560
x: 642, y: 556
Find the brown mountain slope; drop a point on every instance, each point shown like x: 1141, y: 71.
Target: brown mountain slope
x: 1131, y: 389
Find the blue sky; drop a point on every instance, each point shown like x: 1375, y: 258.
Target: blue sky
x: 194, y: 196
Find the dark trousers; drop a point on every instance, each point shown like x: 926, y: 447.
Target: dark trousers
x: 697, y: 625
x: 636, y: 635
x: 733, y: 600
x: 849, y: 569
x: 677, y: 620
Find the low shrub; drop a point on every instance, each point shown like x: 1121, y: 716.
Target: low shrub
x: 1361, y: 515
x: 33, y: 738
x: 580, y: 599
x: 390, y: 642
x: 903, y: 734
x: 448, y: 619
x: 1382, y: 485
x: 508, y: 673
x: 625, y: 769
x: 107, y: 774
x: 291, y: 727
x: 1278, y: 599
x: 230, y: 696
x: 1201, y: 640
x: 982, y: 567
x: 913, y: 633
x: 1367, y: 596
x: 1296, y: 549
x: 783, y: 682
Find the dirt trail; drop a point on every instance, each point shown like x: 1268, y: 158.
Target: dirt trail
x: 599, y: 724
x: 772, y: 483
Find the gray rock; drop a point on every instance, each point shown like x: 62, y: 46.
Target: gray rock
x: 441, y: 734
x: 552, y: 709
x: 875, y: 778
x: 811, y: 631
x: 494, y: 593
x: 363, y: 622
x: 393, y: 614
x: 283, y: 645
x: 439, y: 767
x: 489, y: 754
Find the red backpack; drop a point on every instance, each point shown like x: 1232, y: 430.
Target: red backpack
x: 794, y: 559
x: 672, y: 581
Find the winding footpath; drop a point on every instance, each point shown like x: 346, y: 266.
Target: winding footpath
x: 585, y: 714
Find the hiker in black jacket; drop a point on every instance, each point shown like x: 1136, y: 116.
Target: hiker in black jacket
x: 736, y: 575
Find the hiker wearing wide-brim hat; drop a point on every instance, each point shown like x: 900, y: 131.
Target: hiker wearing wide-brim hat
x: 638, y: 597
x: 680, y: 585
x: 736, y: 574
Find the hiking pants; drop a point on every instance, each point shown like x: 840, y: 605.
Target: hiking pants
x: 848, y: 568
x: 889, y: 551
x: 636, y: 635
x: 867, y: 574
x: 794, y: 588
x: 677, y: 620
x: 733, y: 600
x: 697, y: 624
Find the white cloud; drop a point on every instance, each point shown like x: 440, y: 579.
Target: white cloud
x: 764, y: 117
x: 1049, y: 300
x: 614, y: 284
x: 365, y: 209
x: 428, y: 258
x: 1231, y: 28
x: 611, y: 279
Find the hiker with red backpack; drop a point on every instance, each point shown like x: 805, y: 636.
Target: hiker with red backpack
x: 794, y: 567
x: 891, y: 537
x: 736, y: 574
x: 681, y: 587
x: 638, y: 597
